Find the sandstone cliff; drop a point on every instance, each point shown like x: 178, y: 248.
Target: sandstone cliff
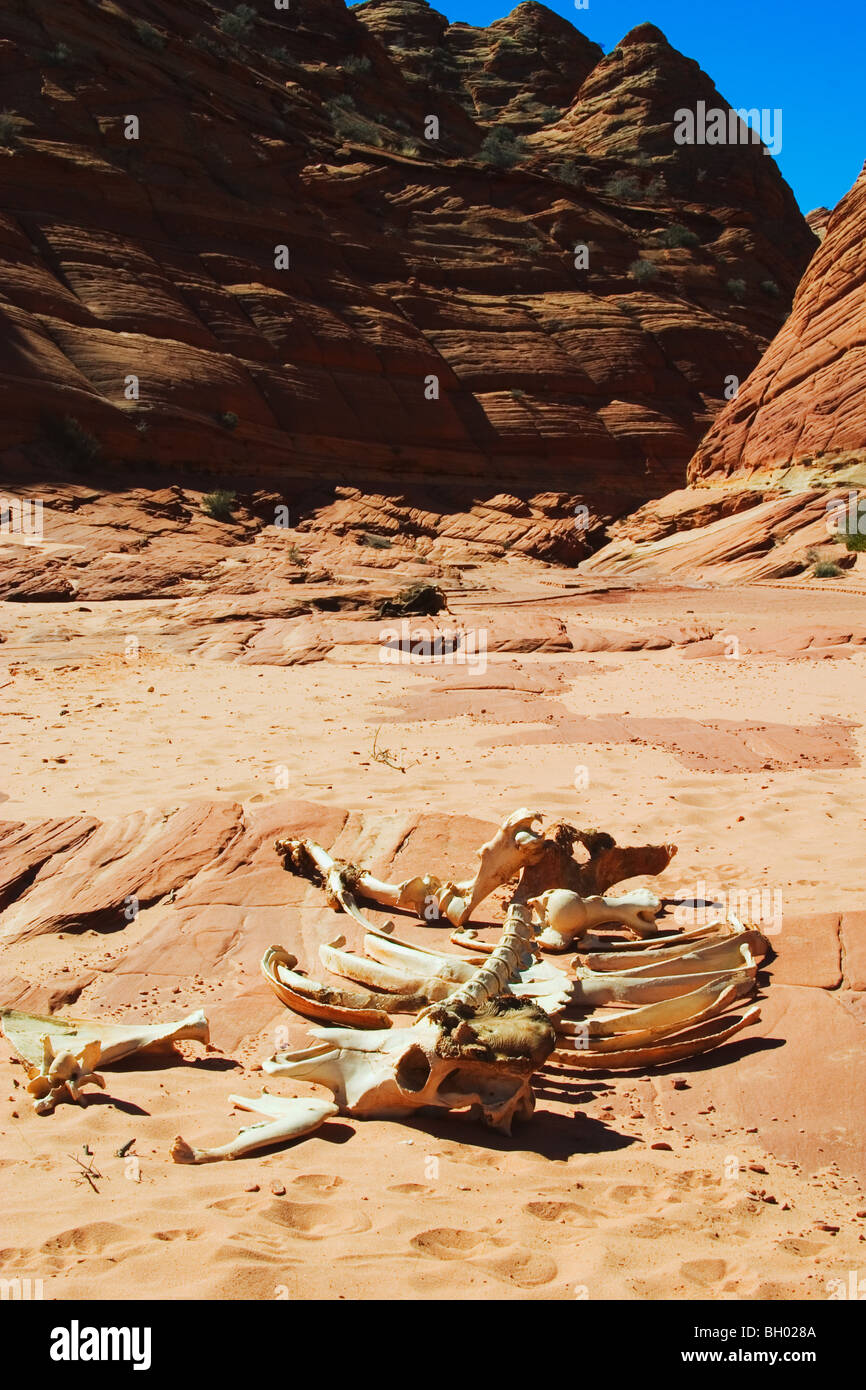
x: 804, y: 406
x: 427, y: 336
x: 783, y: 468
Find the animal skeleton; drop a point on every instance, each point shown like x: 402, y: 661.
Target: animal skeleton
x: 486, y: 1023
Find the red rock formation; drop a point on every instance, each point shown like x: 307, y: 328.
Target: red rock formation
x: 408, y: 259
x: 805, y: 404
x: 819, y: 219
x: 782, y: 468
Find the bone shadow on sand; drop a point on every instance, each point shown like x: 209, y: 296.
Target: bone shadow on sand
x: 162, y: 1061
x: 547, y: 1134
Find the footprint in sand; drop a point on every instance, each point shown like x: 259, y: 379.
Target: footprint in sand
x: 313, y: 1220
x: 794, y: 1245
x: 482, y: 1160
x: 412, y: 1189
x: 525, y: 1268
x: 567, y: 1212
x: 627, y: 1192
x: 86, y: 1240
x: 704, y: 1272
x: 318, y: 1182
x: 446, y: 1243
x: 190, y: 1234
x: 235, y: 1206
x: 652, y: 1227
x: 512, y: 1264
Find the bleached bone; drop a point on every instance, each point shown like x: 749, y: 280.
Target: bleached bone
x: 477, y: 1050
x: 359, y: 1008
x: 678, y: 1011
x: 61, y: 1053
x: 454, y: 1059
x: 418, y: 978
x: 514, y: 846
x: 674, y: 985
x: 62, y: 1075
x: 468, y: 937
x: 512, y: 954
x: 565, y: 916
x: 650, y: 1025
x: 290, y: 1119
x: 338, y: 880
x: 688, y: 1043
x: 731, y: 953
x: 608, y: 862
x: 643, y: 977
x: 593, y: 989
x: 392, y: 979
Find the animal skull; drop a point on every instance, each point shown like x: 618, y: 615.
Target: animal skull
x: 454, y: 1058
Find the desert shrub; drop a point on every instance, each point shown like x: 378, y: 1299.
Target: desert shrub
x: 501, y: 148
x: 71, y: 438
x: 655, y: 189
x: 11, y: 125
x: 229, y: 420
x: 409, y: 148
x: 568, y: 171
x: 374, y: 541
x: 771, y: 288
x: 642, y: 271
x: 60, y: 53
x: 220, y: 505
x: 622, y: 186
x: 736, y: 289
x: 238, y: 23
x: 678, y: 235
x: 348, y: 122
x: 148, y: 36
x: 854, y: 540
x: 826, y: 569
x: 209, y: 44
x: 356, y: 64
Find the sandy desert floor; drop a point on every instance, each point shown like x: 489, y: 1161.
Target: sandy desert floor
x: 748, y: 754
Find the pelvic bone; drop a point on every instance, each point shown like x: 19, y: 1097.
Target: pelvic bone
x: 61, y: 1053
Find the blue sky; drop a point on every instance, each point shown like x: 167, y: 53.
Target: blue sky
x: 805, y: 58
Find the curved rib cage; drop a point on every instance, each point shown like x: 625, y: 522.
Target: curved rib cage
x: 485, y: 1022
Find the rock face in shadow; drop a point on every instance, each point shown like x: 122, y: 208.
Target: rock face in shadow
x: 236, y: 254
